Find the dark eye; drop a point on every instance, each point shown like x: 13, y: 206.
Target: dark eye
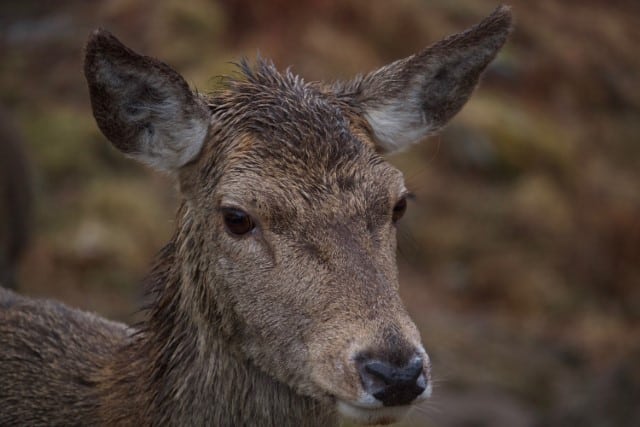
x: 399, y: 209
x: 238, y: 222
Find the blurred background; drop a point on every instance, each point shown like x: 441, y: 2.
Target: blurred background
x: 520, y: 258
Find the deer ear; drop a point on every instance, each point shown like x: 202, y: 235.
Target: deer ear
x: 409, y: 99
x: 142, y: 106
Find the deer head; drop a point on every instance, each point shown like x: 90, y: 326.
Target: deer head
x: 287, y: 235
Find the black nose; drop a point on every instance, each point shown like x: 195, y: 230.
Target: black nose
x: 393, y: 385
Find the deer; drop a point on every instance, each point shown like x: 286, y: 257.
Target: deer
x: 275, y: 302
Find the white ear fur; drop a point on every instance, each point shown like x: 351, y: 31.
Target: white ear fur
x: 173, y: 156
x: 170, y: 141
x: 170, y: 156
x: 396, y: 125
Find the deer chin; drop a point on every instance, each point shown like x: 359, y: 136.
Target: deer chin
x: 371, y: 415
x: 369, y: 411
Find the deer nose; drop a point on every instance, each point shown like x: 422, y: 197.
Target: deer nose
x: 391, y: 384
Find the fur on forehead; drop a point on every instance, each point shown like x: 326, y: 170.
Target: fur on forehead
x: 285, y: 112
x: 268, y: 124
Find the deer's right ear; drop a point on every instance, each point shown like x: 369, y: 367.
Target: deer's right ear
x: 142, y: 106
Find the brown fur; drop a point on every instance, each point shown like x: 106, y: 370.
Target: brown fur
x: 265, y: 328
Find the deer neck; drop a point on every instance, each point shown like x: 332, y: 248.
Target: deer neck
x: 180, y: 370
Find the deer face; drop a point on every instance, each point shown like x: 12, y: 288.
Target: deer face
x: 289, y: 226
x: 301, y: 219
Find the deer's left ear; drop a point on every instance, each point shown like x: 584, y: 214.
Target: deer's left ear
x: 409, y: 99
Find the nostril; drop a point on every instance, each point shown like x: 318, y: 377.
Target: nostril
x: 392, y: 384
x: 392, y: 375
x: 414, y: 369
x: 381, y: 371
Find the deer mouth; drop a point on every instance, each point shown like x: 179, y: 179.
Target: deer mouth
x: 370, y: 415
x: 368, y: 411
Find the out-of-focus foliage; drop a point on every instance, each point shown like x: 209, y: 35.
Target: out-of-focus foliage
x: 521, y: 256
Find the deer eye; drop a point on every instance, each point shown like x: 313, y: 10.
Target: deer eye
x: 399, y: 209
x: 237, y: 221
